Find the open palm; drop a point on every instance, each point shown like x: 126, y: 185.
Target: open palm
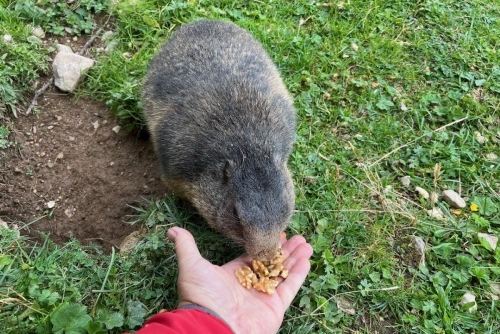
x: 216, y: 288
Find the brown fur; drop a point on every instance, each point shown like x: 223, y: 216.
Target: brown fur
x: 223, y: 124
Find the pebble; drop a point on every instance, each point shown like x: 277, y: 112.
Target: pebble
x: 480, y: 138
x: 116, y: 129
x: 420, y: 244
x: 38, y: 32
x: 436, y: 213
x: 60, y: 156
x: 51, y: 204
x: 433, y: 197
x: 424, y: 193
x: 405, y: 181
x: 469, y: 298
x: 491, y: 156
x: 453, y: 199
x: 490, y: 239
x: 7, y: 38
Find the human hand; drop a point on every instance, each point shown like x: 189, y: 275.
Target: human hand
x: 216, y: 288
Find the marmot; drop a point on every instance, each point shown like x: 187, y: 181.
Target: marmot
x: 223, y: 124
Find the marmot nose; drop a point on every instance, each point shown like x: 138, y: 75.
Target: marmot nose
x: 266, y: 254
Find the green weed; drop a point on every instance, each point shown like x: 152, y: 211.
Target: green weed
x: 383, y: 89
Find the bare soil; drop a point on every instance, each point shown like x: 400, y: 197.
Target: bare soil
x: 68, y: 153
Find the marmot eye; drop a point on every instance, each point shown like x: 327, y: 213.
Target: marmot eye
x: 228, y: 168
x: 235, y: 214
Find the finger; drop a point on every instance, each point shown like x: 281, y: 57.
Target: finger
x: 185, y: 246
x: 289, y: 246
x: 299, y: 266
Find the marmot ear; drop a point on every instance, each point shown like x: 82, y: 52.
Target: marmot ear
x: 228, y: 170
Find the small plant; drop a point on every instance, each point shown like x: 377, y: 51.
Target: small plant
x: 4, y: 137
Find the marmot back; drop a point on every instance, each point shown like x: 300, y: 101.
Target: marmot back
x: 223, y: 125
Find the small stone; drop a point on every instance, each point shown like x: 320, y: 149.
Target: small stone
x: 480, y: 138
x: 106, y: 35
x: 51, y: 204
x: 50, y: 164
x: 436, y: 213
x: 71, y: 138
x: 491, y: 156
x: 433, y: 197
x: 116, y: 129
x: 453, y: 199
x: 60, y: 156
x: 420, y: 245
x: 495, y: 291
x: 403, y: 107
x: 95, y: 125
x: 469, y: 298
x: 50, y: 127
x: 69, y: 69
x: 491, y: 240
x: 7, y: 38
x: 17, y: 170
x: 75, y: 39
x: 129, y: 242
x: 3, y: 224
x: 422, y: 192
x: 354, y: 46
x: 70, y: 212
x: 405, y: 181
x: 111, y: 164
x: 38, y: 32
x: 63, y: 48
x: 111, y: 46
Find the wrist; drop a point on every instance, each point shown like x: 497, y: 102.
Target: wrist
x: 193, y: 306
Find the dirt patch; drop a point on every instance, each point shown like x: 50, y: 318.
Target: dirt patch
x: 68, y: 155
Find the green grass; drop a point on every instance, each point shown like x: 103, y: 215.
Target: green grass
x: 383, y: 89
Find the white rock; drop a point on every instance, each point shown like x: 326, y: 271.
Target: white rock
x: 63, y: 48
x: 60, y: 156
x: 38, y: 32
x: 345, y: 305
x: 469, y: 298
x: 490, y: 239
x: 3, y: 224
x: 7, y: 38
x: 405, y: 181
x: 480, y: 138
x: 495, y: 291
x: 403, y: 106
x: 453, y: 199
x: 106, y: 35
x: 433, y: 197
x: 436, y: 213
x: 491, y: 156
x: 51, y: 204
x: 354, y: 46
x: 422, y: 192
x: 111, y: 46
x: 420, y: 244
x: 116, y: 129
x: 69, y: 69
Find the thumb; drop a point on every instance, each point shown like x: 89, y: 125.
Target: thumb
x: 185, y: 246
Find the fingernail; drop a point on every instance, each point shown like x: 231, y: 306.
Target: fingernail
x: 172, y: 234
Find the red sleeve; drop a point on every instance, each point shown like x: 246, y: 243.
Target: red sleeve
x: 185, y: 322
